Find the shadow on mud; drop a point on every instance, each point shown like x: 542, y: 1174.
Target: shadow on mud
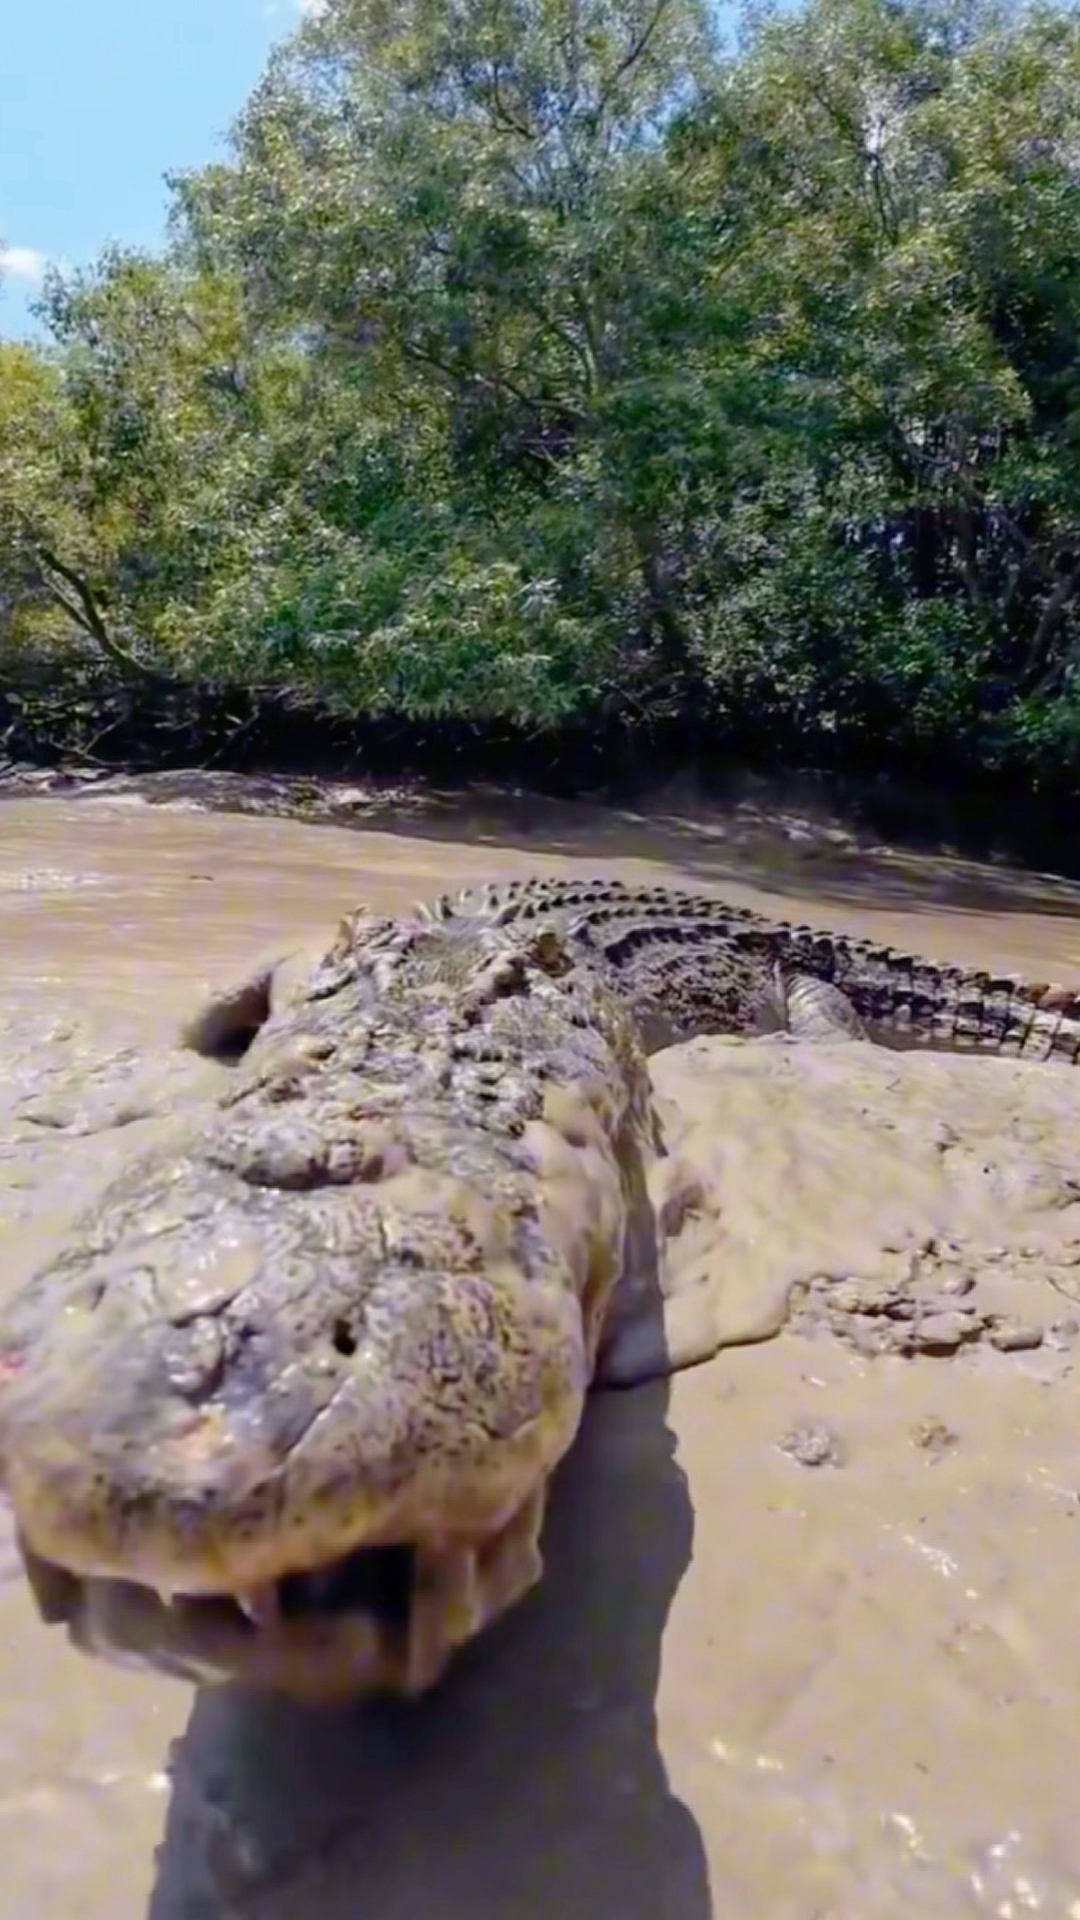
x: 785, y: 836
x: 530, y: 1785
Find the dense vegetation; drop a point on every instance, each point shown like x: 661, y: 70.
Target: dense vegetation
x: 542, y: 363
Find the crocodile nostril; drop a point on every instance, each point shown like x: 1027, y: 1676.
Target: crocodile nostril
x: 227, y: 1025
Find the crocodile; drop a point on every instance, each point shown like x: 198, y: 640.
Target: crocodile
x: 288, y: 1406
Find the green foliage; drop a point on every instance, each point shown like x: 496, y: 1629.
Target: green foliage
x: 532, y: 360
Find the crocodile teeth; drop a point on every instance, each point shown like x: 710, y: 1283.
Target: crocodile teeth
x: 262, y: 1606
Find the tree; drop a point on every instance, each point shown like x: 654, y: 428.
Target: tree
x: 530, y: 361
x: 911, y: 554
x: 456, y: 206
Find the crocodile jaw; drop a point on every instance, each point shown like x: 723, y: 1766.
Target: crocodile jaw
x: 316, y: 1655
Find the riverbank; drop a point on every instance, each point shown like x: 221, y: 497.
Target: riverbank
x: 249, y: 753
x: 781, y: 1594
x: 870, y: 829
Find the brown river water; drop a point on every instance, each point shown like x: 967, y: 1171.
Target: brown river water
x: 807, y: 1644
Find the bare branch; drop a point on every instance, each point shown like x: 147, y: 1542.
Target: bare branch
x: 631, y: 58
x: 1049, y: 620
x: 85, y: 612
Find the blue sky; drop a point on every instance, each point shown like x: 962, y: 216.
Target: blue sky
x: 97, y: 102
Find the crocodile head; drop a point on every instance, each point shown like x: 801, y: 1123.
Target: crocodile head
x: 288, y: 1406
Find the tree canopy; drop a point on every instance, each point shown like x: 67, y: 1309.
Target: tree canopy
x: 547, y: 361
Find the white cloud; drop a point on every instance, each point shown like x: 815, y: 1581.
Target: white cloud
x: 22, y: 263
x: 309, y: 9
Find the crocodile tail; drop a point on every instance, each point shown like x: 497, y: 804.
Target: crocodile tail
x: 977, y: 1015
x: 904, y: 1001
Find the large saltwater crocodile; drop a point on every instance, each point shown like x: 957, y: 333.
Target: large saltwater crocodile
x: 288, y: 1406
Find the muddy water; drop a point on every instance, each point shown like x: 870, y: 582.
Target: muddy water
x: 753, y: 1686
